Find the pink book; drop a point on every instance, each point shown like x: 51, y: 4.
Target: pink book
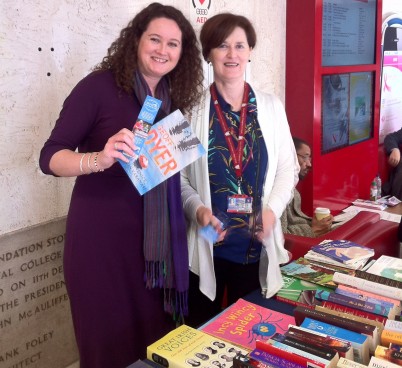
x: 244, y: 322
x: 367, y: 293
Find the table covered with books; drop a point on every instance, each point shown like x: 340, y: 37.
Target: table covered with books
x: 345, y: 314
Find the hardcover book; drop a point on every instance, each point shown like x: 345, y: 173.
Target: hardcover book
x: 186, y: 347
x: 310, y: 271
x: 389, y: 354
x: 170, y: 145
x: 244, y: 322
x: 344, y: 348
x: 343, y: 251
x: 289, y: 353
x: 381, y: 363
x: 389, y: 267
x: 298, y: 292
x: 371, y: 286
x: 359, y: 342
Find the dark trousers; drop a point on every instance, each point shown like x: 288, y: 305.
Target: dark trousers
x: 233, y: 281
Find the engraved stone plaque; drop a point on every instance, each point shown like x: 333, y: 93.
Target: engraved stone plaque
x: 35, y: 323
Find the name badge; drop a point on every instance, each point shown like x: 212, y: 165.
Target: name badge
x: 240, y: 203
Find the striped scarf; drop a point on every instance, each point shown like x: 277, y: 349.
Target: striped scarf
x: 165, y: 241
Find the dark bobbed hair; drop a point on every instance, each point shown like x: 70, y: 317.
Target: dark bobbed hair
x: 217, y: 28
x: 185, y: 80
x: 298, y: 142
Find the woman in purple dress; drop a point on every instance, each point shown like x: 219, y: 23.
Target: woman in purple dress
x: 125, y: 257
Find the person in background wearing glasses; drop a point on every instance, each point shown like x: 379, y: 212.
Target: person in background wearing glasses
x: 294, y: 220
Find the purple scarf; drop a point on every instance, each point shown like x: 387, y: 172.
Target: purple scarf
x: 165, y: 240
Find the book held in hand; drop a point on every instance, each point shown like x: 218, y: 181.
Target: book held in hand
x: 244, y: 322
x: 169, y: 146
x: 186, y: 347
x: 344, y: 251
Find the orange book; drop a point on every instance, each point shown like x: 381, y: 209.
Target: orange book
x: 388, y: 336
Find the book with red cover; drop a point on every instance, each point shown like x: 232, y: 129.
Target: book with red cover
x: 288, y: 355
x: 243, y: 322
x: 353, y: 311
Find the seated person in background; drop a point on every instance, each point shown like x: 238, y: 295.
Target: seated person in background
x: 392, y: 142
x: 293, y: 220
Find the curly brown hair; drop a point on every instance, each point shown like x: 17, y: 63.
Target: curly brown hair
x: 185, y: 80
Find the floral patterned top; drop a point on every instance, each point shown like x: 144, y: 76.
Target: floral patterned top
x: 240, y: 244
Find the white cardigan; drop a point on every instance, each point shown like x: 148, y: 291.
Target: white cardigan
x: 281, y: 178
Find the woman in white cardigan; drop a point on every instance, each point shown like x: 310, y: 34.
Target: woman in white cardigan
x: 246, y: 178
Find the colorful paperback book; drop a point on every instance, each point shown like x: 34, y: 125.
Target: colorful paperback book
x: 359, y: 342
x: 389, y: 354
x: 367, y: 285
x: 343, y: 251
x: 170, y: 146
x: 298, y: 292
x: 317, y: 257
x: 389, y: 267
x: 315, y: 273
x: 186, y: 347
x: 245, y: 361
x: 344, y: 348
x: 388, y: 336
x: 369, y: 305
x: 268, y: 358
x: 244, y: 322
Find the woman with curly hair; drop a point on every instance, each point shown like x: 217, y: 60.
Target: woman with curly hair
x: 125, y: 258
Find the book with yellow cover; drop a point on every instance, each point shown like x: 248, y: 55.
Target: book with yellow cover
x: 186, y: 347
x: 388, y: 336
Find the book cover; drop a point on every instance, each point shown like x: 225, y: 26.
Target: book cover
x: 373, y: 305
x: 344, y: 251
x: 367, y: 285
x: 393, y: 325
x: 389, y: 267
x: 349, y: 363
x: 389, y: 354
x: 268, y: 358
x: 245, y: 361
x: 289, y: 353
x: 186, y: 347
x: 359, y: 341
x: 317, y: 257
x: 169, y: 146
x: 344, y: 348
x: 388, y: 336
x: 307, y: 270
x: 298, y: 292
x: 370, y: 331
x: 351, y: 311
x: 381, y: 363
x: 325, y: 353
x: 244, y: 322
x: 363, y: 274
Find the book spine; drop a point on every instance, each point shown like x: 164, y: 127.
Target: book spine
x: 368, y: 298
x: 388, y: 336
x: 288, y: 355
x: 393, y: 325
x: 353, y: 311
x: 376, y: 288
x: 367, y: 293
x: 354, y: 303
x: 293, y: 302
x: 381, y: 363
x: 319, y: 352
x: 347, y: 363
x: 378, y: 278
x: 270, y: 359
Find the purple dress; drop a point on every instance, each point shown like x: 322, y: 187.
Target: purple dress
x: 115, y: 317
